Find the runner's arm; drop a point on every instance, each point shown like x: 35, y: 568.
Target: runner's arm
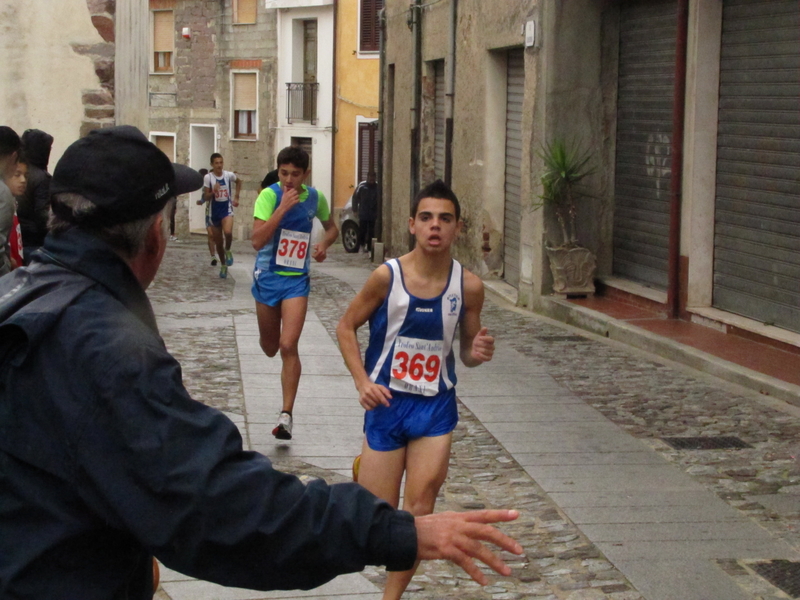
x: 263, y: 230
x: 477, y: 346
x: 366, y: 302
x: 331, y: 233
x: 238, y: 190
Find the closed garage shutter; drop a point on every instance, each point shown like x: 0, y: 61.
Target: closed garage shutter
x: 513, y: 203
x: 644, y: 135
x: 757, y: 228
x: 438, y: 120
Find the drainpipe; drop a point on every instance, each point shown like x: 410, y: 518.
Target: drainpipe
x: 678, y: 113
x: 450, y: 92
x: 334, y: 97
x: 381, y: 119
x: 416, y: 92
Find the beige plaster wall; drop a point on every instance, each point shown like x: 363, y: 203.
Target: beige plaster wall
x: 357, y: 84
x: 42, y: 78
x: 485, y: 31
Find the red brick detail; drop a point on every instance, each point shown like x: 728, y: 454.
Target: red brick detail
x: 105, y: 26
x: 162, y: 4
x: 246, y: 64
x: 638, y: 301
x: 98, y: 104
x: 98, y: 7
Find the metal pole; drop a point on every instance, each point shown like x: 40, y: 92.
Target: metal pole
x: 450, y: 92
x: 676, y: 181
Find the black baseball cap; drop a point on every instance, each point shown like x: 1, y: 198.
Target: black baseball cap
x: 124, y: 174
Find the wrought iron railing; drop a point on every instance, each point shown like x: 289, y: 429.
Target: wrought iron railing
x: 302, y: 102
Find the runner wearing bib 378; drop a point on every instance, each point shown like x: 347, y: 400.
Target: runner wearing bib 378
x: 284, y: 216
x: 414, y: 305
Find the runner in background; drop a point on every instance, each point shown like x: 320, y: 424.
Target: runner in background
x: 284, y: 217
x: 217, y: 190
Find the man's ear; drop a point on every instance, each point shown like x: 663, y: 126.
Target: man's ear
x: 155, y: 235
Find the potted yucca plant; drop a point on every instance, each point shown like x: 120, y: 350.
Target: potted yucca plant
x: 572, y: 265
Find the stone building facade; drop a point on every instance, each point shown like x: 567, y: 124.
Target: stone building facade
x: 688, y: 109
x: 191, y: 99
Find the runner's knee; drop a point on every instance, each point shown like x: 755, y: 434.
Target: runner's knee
x: 269, y: 347
x: 288, y: 349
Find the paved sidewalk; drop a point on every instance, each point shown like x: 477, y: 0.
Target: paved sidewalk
x: 565, y: 427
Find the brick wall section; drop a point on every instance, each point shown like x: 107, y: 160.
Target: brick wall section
x: 195, y: 64
x: 198, y: 92
x: 98, y: 104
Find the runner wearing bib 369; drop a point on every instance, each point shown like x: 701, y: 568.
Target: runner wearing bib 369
x: 414, y: 305
x: 284, y: 216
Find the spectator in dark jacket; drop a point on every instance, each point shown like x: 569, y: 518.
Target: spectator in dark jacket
x: 9, y: 151
x: 105, y: 459
x: 365, y: 205
x: 33, y: 208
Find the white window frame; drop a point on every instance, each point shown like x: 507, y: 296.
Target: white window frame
x: 368, y: 54
x: 173, y: 135
x: 233, y: 112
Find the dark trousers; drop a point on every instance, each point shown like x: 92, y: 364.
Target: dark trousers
x: 366, y: 231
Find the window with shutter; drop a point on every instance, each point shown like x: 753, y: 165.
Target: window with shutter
x: 245, y: 105
x: 163, y: 40
x: 367, y: 149
x: 244, y: 11
x: 165, y: 143
x: 369, y: 30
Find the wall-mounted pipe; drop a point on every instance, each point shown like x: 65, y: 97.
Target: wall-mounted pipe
x: 676, y: 181
x: 416, y: 92
x: 381, y: 119
x: 450, y: 92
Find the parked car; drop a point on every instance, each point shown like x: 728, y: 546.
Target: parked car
x: 348, y: 225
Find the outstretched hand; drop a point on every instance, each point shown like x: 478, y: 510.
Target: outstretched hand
x: 483, y: 346
x: 457, y: 537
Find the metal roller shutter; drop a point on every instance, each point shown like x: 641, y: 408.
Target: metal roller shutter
x: 644, y: 135
x: 438, y: 120
x: 513, y: 201
x: 757, y: 212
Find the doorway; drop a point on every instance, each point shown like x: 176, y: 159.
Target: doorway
x: 202, y: 144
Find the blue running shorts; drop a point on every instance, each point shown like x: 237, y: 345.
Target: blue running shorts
x: 409, y: 418
x: 220, y: 210
x: 270, y: 288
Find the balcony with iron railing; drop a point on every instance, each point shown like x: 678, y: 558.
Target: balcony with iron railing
x: 302, y: 102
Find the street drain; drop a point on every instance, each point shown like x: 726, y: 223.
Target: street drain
x: 561, y: 338
x: 720, y: 442
x: 783, y: 574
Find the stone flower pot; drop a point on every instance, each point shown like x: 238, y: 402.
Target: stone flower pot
x: 573, y: 270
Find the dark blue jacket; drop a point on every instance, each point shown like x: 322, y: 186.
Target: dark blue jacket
x: 105, y: 460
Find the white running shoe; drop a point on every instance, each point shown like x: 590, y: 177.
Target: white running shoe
x: 283, y: 430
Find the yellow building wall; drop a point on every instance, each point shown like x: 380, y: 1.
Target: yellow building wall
x: 357, y: 87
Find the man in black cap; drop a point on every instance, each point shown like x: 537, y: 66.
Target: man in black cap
x: 105, y: 460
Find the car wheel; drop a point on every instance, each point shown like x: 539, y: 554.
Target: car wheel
x: 350, y: 237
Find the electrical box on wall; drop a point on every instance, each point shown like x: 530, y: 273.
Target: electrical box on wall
x: 531, y: 40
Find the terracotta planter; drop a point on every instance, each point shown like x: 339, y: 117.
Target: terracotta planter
x: 573, y: 270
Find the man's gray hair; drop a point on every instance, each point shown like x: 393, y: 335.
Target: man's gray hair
x: 126, y: 238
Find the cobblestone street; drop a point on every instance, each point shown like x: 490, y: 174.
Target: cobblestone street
x: 646, y: 397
